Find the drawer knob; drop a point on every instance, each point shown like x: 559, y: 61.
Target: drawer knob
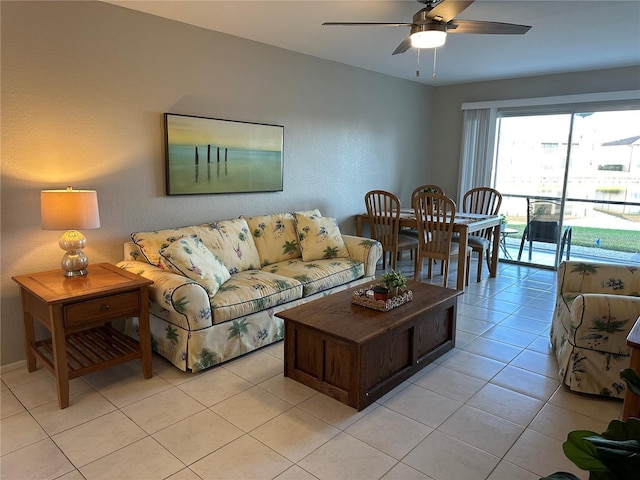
x: 105, y: 307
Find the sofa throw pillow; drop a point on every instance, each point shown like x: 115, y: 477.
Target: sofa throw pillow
x: 314, y: 212
x: 319, y: 237
x: 275, y: 237
x: 150, y: 243
x: 232, y: 242
x: 189, y: 257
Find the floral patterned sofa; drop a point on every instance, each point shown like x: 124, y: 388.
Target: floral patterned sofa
x: 596, y: 307
x: 218, y: 286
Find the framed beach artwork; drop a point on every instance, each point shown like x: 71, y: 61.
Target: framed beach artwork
x: 210, y: 155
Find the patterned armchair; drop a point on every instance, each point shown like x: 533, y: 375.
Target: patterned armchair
x: 596, y: 307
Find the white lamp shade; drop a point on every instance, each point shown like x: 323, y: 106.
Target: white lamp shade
x: 69, y: 209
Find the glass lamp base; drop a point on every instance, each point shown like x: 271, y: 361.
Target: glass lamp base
x: 74, y: 263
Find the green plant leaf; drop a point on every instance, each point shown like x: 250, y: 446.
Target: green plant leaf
x: 627, y: 430
x: 632, y: 379
x: 560, y: 476
x: 602, y: 476
x: 621, y: 457
x: 629, y: 447
x: 583, y: 453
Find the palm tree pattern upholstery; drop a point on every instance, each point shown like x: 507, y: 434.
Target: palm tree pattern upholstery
x: 596, y: 307
x: 200, y: 316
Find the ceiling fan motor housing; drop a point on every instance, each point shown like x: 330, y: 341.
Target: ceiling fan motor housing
x: 421, y: 17
x: 429, y: 27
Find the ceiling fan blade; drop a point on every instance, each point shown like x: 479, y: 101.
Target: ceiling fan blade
x: 404, y: 46
x: 447, y: 10
x: 480, y: 26
x: 365, y: 24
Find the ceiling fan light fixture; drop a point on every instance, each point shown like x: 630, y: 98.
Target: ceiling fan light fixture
x: 431, y: 35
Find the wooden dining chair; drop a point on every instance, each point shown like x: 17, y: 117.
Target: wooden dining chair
x: 383, y: 209
x: 487, y: 201
x: 435, y: 216
x: 418, y: 190
x: 426, y: 189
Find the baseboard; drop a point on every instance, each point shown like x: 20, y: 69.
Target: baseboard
x: 12, y: 366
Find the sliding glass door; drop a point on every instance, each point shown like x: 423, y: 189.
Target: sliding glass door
x: 571, y: 185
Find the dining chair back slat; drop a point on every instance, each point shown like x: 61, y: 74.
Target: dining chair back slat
x: 383, y: 209
x: 412, y: 232
x: 435, y: 217
x: 487, y: 201
x: 426, y: 189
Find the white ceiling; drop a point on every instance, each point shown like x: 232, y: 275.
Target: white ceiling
x: 566, y: 36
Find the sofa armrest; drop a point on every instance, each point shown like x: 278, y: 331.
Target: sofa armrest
x: 575, y: 278
x: 186, y: 301
x: 602, y: 322
x: 365, y: 250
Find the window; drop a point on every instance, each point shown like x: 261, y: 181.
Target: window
x: 582, y: 156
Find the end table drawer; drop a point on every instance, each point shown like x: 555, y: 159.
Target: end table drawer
x: 105, y: 308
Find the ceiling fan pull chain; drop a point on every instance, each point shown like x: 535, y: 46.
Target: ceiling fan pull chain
x: 418, y: 69
x: 435, y: 55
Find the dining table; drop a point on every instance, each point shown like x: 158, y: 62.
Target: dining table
x: 464, y: 224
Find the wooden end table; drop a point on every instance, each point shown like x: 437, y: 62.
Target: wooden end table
x: 78, y: 312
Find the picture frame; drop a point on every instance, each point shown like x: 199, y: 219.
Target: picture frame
x: 216, y: 156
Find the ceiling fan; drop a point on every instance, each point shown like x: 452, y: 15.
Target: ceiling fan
x: 430, y: 25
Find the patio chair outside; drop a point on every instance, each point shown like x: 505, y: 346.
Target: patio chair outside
x: 543, y: 225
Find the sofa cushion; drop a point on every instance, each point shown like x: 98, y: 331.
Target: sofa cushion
x: 319, y: 275
x: 251, y: 291
x: 232, y: 242
x: 189, y: 257
x: 275, y: 237
x: 319, y: 238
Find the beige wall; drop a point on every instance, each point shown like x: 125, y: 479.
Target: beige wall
x: 84, y: 86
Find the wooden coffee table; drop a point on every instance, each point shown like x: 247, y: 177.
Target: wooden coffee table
x: 356, y: 354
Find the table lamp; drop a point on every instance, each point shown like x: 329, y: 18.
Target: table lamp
x: 70, y: 210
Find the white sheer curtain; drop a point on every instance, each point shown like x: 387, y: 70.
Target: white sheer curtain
x: 478, y: 142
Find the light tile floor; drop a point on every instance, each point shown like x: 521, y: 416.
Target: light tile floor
x: 492, y: 408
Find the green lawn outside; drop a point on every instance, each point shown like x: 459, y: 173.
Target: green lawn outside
x: 616, y: 240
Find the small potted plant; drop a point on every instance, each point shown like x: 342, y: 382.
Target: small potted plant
x: 394, y: 281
